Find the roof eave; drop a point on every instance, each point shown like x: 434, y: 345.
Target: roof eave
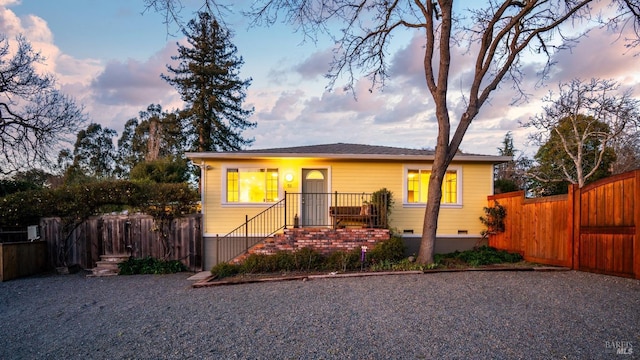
x: 257, y: 156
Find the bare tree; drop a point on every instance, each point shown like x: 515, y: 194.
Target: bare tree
x: 577, y: 130
x: 495, y: 32
x: 34, y: 116
x: 627, y: 149
x: 171, y: 11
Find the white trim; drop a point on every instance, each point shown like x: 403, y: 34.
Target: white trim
x: 223, y: 184
x: 328, y: 179
x: 459, y: 180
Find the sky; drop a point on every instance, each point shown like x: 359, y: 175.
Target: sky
x: 109, y: 55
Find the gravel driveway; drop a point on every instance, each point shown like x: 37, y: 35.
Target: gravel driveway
x: 469, y: 315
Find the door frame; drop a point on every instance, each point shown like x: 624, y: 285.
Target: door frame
x: 327, y: 179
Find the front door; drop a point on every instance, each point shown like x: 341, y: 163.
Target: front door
x: 314, y: 197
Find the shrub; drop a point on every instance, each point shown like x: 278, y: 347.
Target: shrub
x: 389, y: 250
x: 307, y: 259
x: 343, y: 260
x: 149, y: 265
x: 224, y: 269
x: 484, y: 255
x: 258, y: 263
x: 493, y: 220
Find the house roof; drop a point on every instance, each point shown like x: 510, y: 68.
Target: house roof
x: 342, y: 151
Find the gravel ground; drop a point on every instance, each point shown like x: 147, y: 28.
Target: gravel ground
x: 477, y: 315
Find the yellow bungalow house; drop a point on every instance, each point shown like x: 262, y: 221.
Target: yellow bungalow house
x: 249, y: 195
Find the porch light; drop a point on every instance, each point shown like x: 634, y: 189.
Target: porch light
x: 288, y: 177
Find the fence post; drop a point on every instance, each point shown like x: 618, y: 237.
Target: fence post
x: 573, y: 223
x: 636, y: 224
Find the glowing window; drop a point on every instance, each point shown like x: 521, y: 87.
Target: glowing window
x: 252, y: 185
x: 418, y: 186
x: 315, y: 175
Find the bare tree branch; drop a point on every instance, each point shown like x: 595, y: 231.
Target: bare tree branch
x: 584, y: 118
x: 34, y: 116
x: 495, y: 32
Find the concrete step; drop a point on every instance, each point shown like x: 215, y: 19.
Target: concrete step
x: 108, y: 264
x: 115, y: 257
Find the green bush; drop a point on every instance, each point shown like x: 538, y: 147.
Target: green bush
x: 258, y: 263
x: 307, y: 259
x: 224, y: 269
x: 343, y: 260
x: 484, y: 255
x: 149, y: 265
x: 389, y: 250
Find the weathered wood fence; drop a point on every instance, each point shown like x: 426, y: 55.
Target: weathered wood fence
x: 595, y: 229
x: 136, y: 235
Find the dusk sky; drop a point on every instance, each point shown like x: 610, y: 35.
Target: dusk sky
x: 109, y: 56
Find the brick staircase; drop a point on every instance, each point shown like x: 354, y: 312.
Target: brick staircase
x: 108, y: 265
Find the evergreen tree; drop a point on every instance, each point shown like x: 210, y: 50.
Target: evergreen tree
x: 207, y: 79
x: 505, y: 173
x: 94, y: 155
x: 156, y: 134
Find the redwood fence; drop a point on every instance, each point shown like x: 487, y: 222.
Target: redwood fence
x: 595, y: 229
x: 135, y: 235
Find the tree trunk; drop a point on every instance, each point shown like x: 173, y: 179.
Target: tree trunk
x: 430, y: 224
x: 153, y: 145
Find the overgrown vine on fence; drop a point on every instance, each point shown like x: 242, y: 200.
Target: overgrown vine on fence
x: 75, y: 204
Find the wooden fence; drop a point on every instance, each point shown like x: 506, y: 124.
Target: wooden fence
x: 18, y: 259
x: 595, y: 229
x: 135, y: 235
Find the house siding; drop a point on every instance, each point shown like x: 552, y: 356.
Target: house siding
x: 351, y: 176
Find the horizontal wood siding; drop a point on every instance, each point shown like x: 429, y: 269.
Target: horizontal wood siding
x: 592, y: 229
x: 350, y: 176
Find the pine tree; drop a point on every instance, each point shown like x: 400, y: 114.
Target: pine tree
x: 207, y: 79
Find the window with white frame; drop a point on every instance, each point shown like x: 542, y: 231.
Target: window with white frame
x: 252, y: 185
x: 417, y: 186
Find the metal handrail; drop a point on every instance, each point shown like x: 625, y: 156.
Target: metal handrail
x: 310, y: 210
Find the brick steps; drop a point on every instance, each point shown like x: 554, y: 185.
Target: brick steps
x: 323, y: 240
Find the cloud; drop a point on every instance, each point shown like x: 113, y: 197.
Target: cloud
x: 316, y: 65
x: 285, y: 107
x: 602, y: 53
x: 133, y: 82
